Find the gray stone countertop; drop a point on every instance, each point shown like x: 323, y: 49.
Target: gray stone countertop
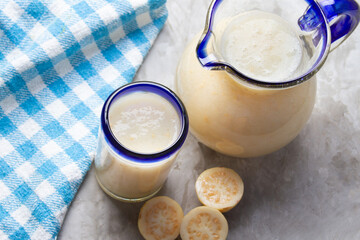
x: 310, y: 189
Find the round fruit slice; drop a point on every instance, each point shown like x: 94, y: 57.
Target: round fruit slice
x: 204, y: 223
x: 220, y: 188
x: 160, y: 218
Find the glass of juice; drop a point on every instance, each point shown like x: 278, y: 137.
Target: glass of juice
x: 142, y: 128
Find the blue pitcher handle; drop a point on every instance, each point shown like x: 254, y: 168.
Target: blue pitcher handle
x: 342, y: 15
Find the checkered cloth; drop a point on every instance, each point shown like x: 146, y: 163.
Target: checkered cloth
x: 59, y: 61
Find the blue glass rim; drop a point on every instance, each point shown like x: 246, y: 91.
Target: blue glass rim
x: 160, y: 90
x: 203, y: 55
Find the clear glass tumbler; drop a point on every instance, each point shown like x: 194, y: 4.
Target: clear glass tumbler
x: 132, y: 176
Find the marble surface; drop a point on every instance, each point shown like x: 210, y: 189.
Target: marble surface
x: 310, y: 189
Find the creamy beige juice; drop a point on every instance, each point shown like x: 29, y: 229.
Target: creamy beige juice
x: 262, y: 45
x: 142, y: 122
x: 239, y: 119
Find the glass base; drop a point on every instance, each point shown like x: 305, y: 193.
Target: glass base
x: 124, y: 199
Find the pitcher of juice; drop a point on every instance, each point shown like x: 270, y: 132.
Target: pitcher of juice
x: 248, y: 81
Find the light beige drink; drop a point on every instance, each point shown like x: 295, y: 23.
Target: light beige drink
x: 146, y: 123
x: 262, y: 45
x: 243, y: 120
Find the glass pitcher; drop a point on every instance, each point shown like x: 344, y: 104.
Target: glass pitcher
x: 249, y: 83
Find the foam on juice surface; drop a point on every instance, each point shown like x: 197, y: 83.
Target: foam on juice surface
x: 262, y: 46
x: 144, y: 122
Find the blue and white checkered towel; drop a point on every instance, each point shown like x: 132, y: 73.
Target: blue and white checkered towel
x: 59, y: 61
